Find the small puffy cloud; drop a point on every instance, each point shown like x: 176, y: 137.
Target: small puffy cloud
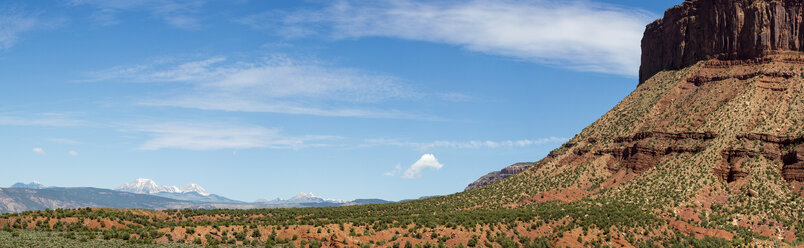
x: 73, y: 153
x: 39, y: 150
x: 426, y: 161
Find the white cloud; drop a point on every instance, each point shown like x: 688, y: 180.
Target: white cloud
x: 474, y: 144
x: 214, y: 136
x: 579, y: 35
x: 39, y: 150
x: 12, y: 24
x: 177, y: 13
x: 46, y: 119
x: 397, y: 169
x: 426, y: 161
x: 455, y: 97
x: 64, y: 141
x: 73, y: 153
x: 275, y: 85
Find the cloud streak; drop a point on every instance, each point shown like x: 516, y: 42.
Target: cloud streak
x: 215, y: 136
x: 474, y: 144
x: 577, y: 35
x: 397, y: 169
x: 46, y: 120
x: 12, y: 23
x: 179, y: 14
x: 273, y: 85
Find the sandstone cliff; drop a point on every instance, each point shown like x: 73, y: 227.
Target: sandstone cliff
x: 725, y: 29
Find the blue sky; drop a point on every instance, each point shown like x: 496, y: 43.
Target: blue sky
x: 263, y: 99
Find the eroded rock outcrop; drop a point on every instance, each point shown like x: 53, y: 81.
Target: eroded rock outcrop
x: 499, y: 175
x: 641, y: 158
x: 725, y: 29
x: 793, y: 169
x: 645, y: 150
x: 787, y: 150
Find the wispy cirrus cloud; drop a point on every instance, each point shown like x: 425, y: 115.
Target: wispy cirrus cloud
x: 215, y: 136
x: 579, y: 35
x: 64, y: 141
x: 474, y: 144
x: 397, y: 169
x: 275, y: 85
x: 14, y: 22
x: 177, y: 13
x: 44, y: 119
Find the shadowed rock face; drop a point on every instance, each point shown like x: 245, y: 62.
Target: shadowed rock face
x: 793, y: 169
x: 725, y: 29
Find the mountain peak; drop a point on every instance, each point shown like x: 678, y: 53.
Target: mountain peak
x: 194, y: 188
x: 302, y: 195
x: 32, y: 185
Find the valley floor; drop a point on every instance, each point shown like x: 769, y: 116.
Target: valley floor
x: 58, y: 239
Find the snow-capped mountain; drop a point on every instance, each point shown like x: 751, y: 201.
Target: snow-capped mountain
x: 191, y: 192
x: 149, y: 195
x: 33, y: 185
x: 148, y: 186
x: 312, y: 198
x: 194, y: 188
x: 302, y: 198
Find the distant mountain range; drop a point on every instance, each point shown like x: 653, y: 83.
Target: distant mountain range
x: 148, y: 186
x: 33, y: 185
x: 25, y: 199
x: 147, y: 194
x: 191, y: 192
x: 302, y: 198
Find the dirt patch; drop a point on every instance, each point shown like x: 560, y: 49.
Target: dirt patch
x: 620, y: 177
x: 767, y: 230
x: 700, y: 232
x: 570, y: 239
x: 687, y: 214
x: 707, y: 197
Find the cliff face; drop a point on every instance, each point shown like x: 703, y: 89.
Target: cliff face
x: 725, y: 29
